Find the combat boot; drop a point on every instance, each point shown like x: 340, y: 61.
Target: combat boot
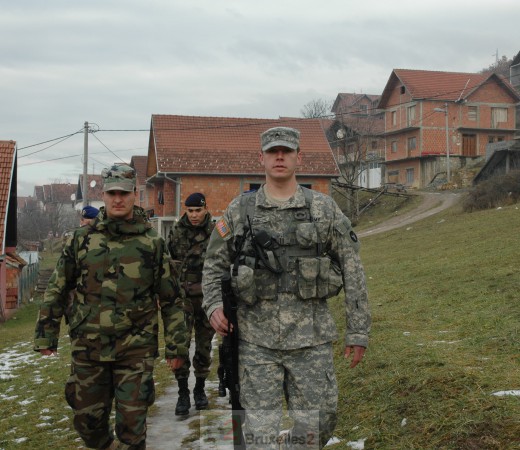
x: 183, y: 402
x: 201, y: 401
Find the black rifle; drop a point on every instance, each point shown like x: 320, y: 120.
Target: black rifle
x: 228, y: 367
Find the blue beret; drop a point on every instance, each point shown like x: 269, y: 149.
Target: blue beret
x: 196, y: 200
x: 89, y: 212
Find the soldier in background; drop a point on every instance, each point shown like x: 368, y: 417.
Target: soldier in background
x: 88, y: 214
x: 118, y: 267
x: 187, y: 244
x: 303, y: 251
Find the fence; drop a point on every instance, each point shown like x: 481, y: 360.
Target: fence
x: 28, y: 277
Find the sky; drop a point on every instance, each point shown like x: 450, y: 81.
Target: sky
x: 115, y: 63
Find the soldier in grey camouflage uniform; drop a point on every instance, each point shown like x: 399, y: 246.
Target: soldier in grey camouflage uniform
x: 187, y: 244
x: 304, y: 251
x: 119, y: 270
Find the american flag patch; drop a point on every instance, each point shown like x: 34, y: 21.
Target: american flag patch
x: 222, y: 228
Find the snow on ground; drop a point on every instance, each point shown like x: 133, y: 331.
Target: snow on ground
x: 165, y: 430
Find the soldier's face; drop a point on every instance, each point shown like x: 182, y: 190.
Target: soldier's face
x: 280, y: 163
x: 196, y: 215
x: 119, y: 204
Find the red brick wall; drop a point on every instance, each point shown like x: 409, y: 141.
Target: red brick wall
x: 219, y: 191
x: 12, y: 275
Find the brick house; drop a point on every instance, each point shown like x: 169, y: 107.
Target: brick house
x: 219, y: 157
x: 435, y: 117
x: 356, y: 135
x: 10, y: 263
x: 356, y: 104
x: 144, y: 197
x: 94, y: 191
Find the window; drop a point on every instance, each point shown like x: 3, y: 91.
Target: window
x: 141, y: 196
x: 410, y: 116
x: 409, y: 176
x: 373, y: 144
x: 472, y: 113
x: 498, y: 115
x: 394, y: 118
x: 394, y: 146
x: 412, y: 143
x: 363, y: 109
x: 403, y: 89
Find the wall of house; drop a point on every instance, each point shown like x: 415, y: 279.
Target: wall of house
x: 220, y: 190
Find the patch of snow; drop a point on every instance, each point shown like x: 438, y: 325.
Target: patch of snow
x: 406, y: 333
x: 503, y: 393
x: 333, y: 440
x: 20, y: 440
x: 357, y: 445
x: 26, y: 402
x: 404, y: 422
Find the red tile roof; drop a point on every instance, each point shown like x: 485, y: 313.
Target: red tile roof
x: 223, y: 145
x: 7, y: 162
x: 347, y: 101
x: 139, y: 164
x: 446, y: 86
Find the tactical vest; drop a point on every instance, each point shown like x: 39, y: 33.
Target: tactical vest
x: 297, y: 253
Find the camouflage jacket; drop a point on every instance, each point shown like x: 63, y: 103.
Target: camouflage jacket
x: 289, y: 310
x: 187, y: 245
x: 119, y: 272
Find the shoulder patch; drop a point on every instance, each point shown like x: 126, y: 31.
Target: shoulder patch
x: 223, y: 229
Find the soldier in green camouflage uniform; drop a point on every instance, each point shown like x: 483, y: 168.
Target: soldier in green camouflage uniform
x: 187, y: 244
x: 308, y: 251
x: 119, y: 270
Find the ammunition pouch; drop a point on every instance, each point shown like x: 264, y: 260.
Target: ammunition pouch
x: 318, y: 278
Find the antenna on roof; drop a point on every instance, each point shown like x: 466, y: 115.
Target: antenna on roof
x: 462, y: 92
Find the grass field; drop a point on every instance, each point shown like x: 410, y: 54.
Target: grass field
x: 444, y: 295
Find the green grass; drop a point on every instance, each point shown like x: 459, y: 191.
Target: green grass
x: 444, y: 300
x: 445, y: 337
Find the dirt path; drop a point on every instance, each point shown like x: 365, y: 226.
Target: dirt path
x: 433, y: 202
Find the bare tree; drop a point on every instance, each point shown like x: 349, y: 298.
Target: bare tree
x: 357, y: 143
x: 500, y: 67
x: 316, y: 109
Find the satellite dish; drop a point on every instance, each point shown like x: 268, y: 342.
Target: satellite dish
x: 92, y: 183
x: 340, y: 134
x: 73, y: 197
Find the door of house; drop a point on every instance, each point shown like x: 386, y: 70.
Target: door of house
x: 469, y: 145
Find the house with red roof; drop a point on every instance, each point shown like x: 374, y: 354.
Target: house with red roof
x: 144, y: 197
x: 439, y: 122
x: 10, y: 263
x: 219, y: 156
x: 94, y: 191
x: 356, y: 134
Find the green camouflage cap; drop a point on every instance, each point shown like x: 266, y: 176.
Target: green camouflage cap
x: 280, y: 137
x: 118, y: 178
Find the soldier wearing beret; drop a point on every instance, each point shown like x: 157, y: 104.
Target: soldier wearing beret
x: 303, y: 251
x: 88, y: 214
x: 118, y: 269
x: 187, y: 244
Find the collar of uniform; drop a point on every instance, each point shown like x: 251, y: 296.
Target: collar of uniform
x: 296, y: 201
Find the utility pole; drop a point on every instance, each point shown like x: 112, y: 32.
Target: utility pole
x: 85, y: 165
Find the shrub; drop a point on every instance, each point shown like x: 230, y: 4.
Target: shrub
x: 500, y: 190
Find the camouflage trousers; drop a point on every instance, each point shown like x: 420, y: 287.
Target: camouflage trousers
x: 197, y: 322
x: 305, y: 378
x: 90, y: 391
